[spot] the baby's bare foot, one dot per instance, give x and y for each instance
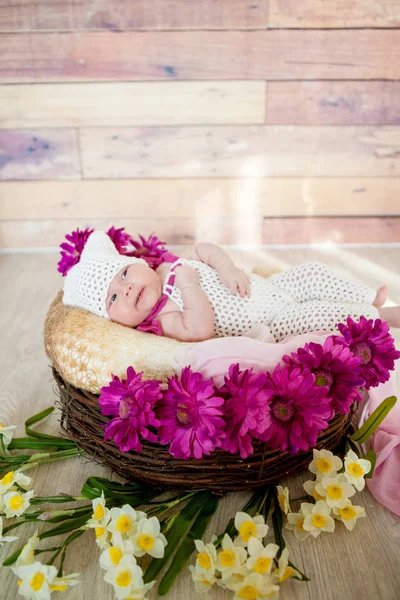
(381, 297)
(391, 314)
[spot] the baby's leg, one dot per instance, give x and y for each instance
(316, 281)
(317, 315)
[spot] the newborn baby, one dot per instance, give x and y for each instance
(203, 294)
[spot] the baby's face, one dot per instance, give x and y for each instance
(132, 294)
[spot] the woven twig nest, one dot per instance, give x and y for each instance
(221, 472)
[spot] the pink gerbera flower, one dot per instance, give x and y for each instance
(370, 341)
(71, 253)
(297, 411)
(190, 415)
(120, 238)
(131, 402)
(151, 250)
(333, 365)
(247, 396)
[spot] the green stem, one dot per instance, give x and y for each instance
(299, 499)
(64, 454)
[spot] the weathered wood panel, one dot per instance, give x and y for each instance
(138, 14)
(39, 154)
(183, 198)
(200, 55)
(332, 230)
(333, 102)
(256, 151)
(132, 103)
(334, 13)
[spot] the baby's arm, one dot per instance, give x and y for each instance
(196, 322)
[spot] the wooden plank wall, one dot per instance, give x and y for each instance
(235, 122)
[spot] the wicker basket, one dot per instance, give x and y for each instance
(220, 472)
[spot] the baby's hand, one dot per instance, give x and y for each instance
(185, 275)
(234, 278)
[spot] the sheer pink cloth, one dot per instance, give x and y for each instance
(213, 357)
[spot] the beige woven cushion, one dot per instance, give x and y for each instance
(86, 349)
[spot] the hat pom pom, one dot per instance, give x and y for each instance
(71, 253)
(151, 250)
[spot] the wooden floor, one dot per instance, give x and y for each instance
(363, 564)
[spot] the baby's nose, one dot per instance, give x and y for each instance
(128, 289)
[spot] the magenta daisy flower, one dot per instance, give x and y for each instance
(297, 411)
(151, 250)
(370, 341)
(71, 253)
(333, 365)
(191, 419)
(121, 239)
(131, 402)
(247, 395)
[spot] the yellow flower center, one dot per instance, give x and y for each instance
(347, 513)
(334, 492)
(145, 541)
(299, 524)
(124, 579)
(58, 588)
(115, 555)
(247, 529)
(288, 572)
(355, 469)
(248, 592)
(8, 478)
(99, 531)
(123, 524)
(2, 425)
(227, 558)
(262, 565)
(317, 496)
(324, 465)
(99, 512)
(37, 581)
(281, 500)
(16, 502)
(204, 560)
(319, 521)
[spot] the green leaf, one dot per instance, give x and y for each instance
(70, 525)
(371, 456)
(133, 493)
(12, 559)
(187, 546)
(33, 443)
(277, 523)
(180, 525)
(374, 420)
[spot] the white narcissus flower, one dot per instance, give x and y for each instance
(202, 581)
(248, 527)
(295, 523)
(283, 499)
(254, 586)
(7, 433)
(317, 518)
(60, 584)
(11, 478)
(283, 571)
(101, 514)
(7, 538)
(103, 537)
(35, 580)
(125, 576)
(206, 558)
(148, 539)
(325, 464)
(113, 554)
(260, 557)
(124, 520)
(231, 559)
(349, 515)
(309, 487)
(16, 503)
(337, 490)
(27, 556)
(355, 469)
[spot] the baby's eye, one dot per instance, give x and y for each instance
(124, 274)
(113, 297)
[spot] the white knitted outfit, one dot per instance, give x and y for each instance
(309, 297)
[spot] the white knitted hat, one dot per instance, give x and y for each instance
(86, 284)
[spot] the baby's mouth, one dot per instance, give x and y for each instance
(139, 296)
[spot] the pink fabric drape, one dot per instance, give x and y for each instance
(213, 357)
